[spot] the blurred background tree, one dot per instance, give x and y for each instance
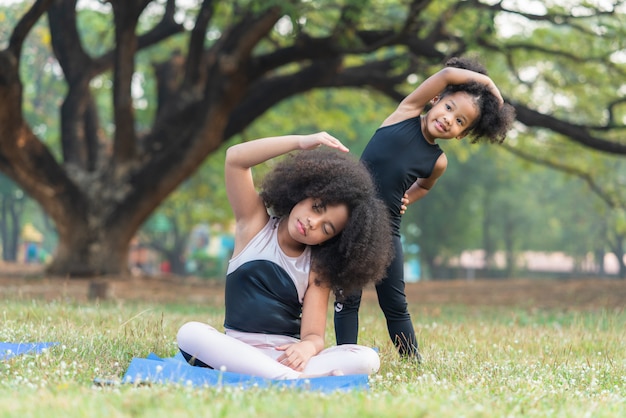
(110, 112)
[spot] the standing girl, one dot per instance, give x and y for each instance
(324, 233)
(406, 162)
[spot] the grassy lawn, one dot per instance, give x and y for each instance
(478, 362)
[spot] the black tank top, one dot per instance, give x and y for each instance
(265, 287)
(396, 156)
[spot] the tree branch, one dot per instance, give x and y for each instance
(585, 176)
(577, 133)
(411, 23)
(196, 43)
(66, 45)
(26, 23)
(234, 58)
(79, 126)
(126, 14)
(348, 20)
(321, 74)
(249, 31)
(162, 30)
(611, 109)
(554, 52)
(310, 49)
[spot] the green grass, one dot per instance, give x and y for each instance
(478, 362)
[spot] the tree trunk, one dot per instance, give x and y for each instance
(619, 247)
(509, 243)
(598, 256)
(88, 253)
(9, 228)
(488, 244)
(616, 243)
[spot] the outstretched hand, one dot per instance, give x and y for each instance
(318, 139)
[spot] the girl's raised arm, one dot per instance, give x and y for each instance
(240, 158)
(416, 101)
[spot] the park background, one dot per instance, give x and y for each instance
(549, 202)
(114, 225)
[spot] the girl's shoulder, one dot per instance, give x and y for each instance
(397, 118)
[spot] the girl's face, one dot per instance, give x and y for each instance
(450, 117)
(311, 223)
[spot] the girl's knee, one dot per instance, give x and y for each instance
(191, 330)
(371, 360)
(367, 360)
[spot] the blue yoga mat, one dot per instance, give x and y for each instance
(8, 350)
(176, 370)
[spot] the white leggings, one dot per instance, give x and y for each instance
(255, 354)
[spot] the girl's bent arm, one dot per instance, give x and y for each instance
(242, 157)
(420, 188)
(249, 209)
(414, 104)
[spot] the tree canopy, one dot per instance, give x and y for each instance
(217, 66)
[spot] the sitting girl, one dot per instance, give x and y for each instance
(327, 231)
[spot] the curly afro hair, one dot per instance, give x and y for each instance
(495, 120)
(361, 252)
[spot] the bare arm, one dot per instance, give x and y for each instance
(312, 330)
(422, 186)
(414, 104)
(248, 207)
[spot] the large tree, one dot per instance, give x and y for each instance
(11, 207)
(240, 58)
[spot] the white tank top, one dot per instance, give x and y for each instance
(264, 246)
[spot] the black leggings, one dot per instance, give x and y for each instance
(392, 301)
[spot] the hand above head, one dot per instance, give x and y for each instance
(495, 91)
(318, 139)
(415, 103)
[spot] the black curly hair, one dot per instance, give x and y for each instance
(494, 120)
(361, 252)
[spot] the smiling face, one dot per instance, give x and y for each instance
(311, 223)
(450, 117)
